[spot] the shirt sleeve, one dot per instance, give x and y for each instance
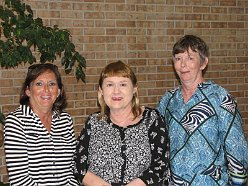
(72, 181)
(162, 104)
(81, 154)
(159, 141)
(235, 143)
(15, 145)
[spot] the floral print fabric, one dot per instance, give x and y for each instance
(118, 155)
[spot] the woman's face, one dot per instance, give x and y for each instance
(189, 67)
(43, 92)
(118, 93)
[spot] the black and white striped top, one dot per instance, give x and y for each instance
(35, 157)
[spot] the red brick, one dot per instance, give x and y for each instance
(142, 34)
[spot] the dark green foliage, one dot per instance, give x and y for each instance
(2, 118)
(4, 184)
(26, 35)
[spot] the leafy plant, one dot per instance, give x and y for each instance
(2, 118)
(1, 141)
(4, 184)
(25, 36)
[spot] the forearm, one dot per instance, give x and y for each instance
(136, 182)
(90, 179)
(159, 166)
(236, 146)
(238, 180)
(81, 155)
(16, 155)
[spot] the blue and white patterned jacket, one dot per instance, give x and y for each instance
(207, 142)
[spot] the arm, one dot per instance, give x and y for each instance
(235, 143)
(161, 106)
(136, 182)
(72, 181)
(91, 179)
(81, 160)
(16, 152)
(159, 141)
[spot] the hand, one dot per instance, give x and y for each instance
(136, 182)
(90, 179)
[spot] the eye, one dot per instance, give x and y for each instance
(177, 58)
(190, 58)
(123, 84)
(38, 84)
(52, 84)
(109, 84)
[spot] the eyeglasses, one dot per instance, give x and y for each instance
(42, 65)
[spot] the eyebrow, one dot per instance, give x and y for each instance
(113, 81)
(44, 81)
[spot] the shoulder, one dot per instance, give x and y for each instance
(64, 114)
(63, 119)
(212, 87)
(165, 99)
(151, 113)
(171, 92)
(17, 119)
(22, 112)
(149, 110)
(215, 91)
(219, 96)
(153, 119)
(168, 95)
(93, 119)
(94, 115)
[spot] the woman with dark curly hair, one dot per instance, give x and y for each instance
(39, 137)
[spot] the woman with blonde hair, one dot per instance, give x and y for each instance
(124, 143)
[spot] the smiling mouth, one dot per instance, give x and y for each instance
(46, 97)
(116, 98)
(184, 72)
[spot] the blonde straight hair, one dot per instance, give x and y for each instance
(118, 69)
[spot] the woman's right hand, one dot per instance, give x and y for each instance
(90, 179)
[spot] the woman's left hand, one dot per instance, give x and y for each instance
(136, 182)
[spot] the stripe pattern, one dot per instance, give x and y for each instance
(229, 103)
(197, 115)
(207, 142)
(213, 171)
(237, 171)
(36, 157)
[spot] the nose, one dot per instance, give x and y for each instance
(184, 62)
(46, 87)
(116, 89)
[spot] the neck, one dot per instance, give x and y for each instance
(45, 117)
(42, 112)
(46, 121)
(188, 90)
(122, 119)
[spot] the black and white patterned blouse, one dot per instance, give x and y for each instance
(118, 155)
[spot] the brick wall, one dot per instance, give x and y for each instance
(141, 33)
